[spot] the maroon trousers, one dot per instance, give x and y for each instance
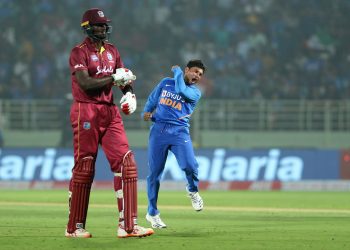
(93, 125)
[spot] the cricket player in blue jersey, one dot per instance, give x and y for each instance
(169, 107)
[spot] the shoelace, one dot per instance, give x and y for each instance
(196, 198)
(157, 220)
(136, 228)
(81, 230)
(139, 229)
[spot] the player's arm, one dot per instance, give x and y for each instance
(78, 62)
(151, 103)
(128, 102)
(87, 82)
(123, 78)
(127, 88)
(190, 94)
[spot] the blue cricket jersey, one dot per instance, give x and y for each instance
(173, 100)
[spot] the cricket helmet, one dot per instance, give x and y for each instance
(92, 17)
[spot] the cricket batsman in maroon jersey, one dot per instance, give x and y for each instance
(96, 67)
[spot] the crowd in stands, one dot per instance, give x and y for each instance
(253, 49)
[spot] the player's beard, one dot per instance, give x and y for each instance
(101, 36)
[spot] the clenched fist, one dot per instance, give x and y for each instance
(128, 103)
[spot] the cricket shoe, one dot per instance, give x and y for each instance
(78, 233)
(155, 221)
(197, 201)
(137, 232)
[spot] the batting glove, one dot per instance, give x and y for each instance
(128, 103)
(123, 77)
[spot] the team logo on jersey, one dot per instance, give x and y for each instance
(109, 56)
(94, 58)
(86, 125)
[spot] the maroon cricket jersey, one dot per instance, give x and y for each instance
(85, 56)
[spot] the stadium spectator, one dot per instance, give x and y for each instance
(307, 39)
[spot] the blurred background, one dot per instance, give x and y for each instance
(278, 74)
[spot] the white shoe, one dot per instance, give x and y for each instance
(155, 221)
(79, 233)
(137, 232)
(197, 201)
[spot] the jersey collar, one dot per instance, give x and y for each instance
(92, 47)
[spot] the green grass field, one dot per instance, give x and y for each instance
(231, 220)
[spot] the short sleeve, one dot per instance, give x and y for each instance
(77, 60)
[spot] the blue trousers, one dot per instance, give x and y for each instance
(164, 137)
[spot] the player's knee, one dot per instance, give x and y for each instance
(129, 159)
(190, 170)
(84, 170)
(191, 167)
(129, 167)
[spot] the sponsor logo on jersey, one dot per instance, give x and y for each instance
(104, 70)
(171, 95)
(170, 102)
(171, 99)
(94, 58)
(78, 66)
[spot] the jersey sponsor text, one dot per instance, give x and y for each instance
(104, 70)
(170, 102)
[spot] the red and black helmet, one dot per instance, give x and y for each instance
(92, 17)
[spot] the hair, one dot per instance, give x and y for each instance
(196, 63)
